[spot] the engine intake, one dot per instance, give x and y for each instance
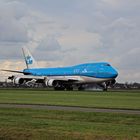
(18, 80)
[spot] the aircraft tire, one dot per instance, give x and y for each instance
(59, 88)
(69, 88)
(104, 89)
(81, 88)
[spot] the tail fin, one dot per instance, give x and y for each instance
(29, 60)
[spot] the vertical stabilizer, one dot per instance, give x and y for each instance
(29, 60)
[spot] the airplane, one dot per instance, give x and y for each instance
(65, 78)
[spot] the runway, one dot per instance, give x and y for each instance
(68, 108)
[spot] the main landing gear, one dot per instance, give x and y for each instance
(63, 87)
(105, 85)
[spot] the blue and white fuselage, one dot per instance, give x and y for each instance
(85, 73)
(65, 77)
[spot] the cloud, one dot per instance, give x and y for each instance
(119, 4)
(80, 39)
(49, 44)
(10, 51)
(70, 32)
(48, 49)
(11, 27)
(12, 31)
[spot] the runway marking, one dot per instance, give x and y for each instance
(68, 108)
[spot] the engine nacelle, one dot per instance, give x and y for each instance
(49, 82)
(18, 80)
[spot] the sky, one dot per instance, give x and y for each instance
(69, 32)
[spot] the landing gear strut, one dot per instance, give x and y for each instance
(104, 86)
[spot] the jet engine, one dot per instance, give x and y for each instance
(18, 80)
(49, 82)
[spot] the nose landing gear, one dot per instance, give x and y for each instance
(105, 85)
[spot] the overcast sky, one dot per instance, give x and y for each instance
(68, 32)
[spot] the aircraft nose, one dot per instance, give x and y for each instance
(114, 73)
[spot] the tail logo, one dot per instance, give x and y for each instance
(29, 60)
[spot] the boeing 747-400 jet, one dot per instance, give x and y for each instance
(65, 78)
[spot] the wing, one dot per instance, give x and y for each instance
(25, 73)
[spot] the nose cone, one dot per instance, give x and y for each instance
(114, 73)
(107, 72)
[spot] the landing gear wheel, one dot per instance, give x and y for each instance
(104, 89)
(81, 88)
(59, 88)
(70, 88)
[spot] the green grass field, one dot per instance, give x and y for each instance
(34, 124)
(124, 100)
(42, 124)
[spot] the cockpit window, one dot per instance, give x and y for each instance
(107, 64)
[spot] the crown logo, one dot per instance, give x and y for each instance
(29, 60)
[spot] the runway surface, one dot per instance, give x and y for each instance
(68, 108)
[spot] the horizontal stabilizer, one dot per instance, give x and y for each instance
(15, 71)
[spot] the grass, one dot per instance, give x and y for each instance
(123, 100)
(36, 124)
